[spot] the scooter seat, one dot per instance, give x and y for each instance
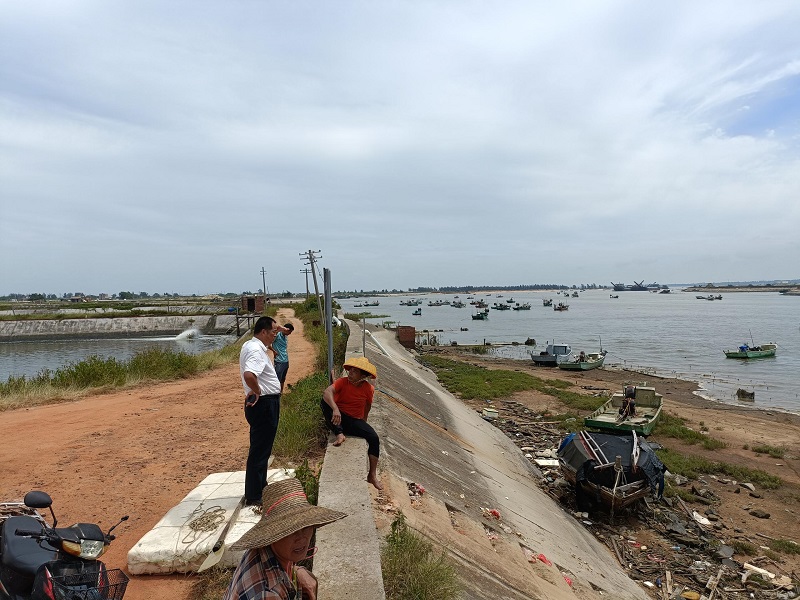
(23, 554)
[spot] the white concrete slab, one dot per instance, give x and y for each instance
(181, 540)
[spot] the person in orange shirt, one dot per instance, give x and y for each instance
(346, 404)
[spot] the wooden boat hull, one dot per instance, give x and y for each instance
(625, 495)
(648, 411)
(763, 351)
(593, 361)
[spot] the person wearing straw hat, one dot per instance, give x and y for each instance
(346, 404)
(280, 539)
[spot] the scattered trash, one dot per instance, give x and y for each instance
(544, 559)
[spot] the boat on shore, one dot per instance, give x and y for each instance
(552, 355)
(616, 470)
(609, 416)
(745, 351)
(587, 362)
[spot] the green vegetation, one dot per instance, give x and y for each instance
(363, 315)
(411, 568)
(301, 426)
(75, 379)
(785, 546)
(671, 426)
(773, 451)
(472, 382)
(693, 466)
(744, 547)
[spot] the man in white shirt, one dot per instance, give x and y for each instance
(262, 390)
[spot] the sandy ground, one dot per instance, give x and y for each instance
(737, 426)
(135, 452)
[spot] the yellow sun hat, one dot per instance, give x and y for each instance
(361, 362)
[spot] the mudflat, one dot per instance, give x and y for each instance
(741, 428)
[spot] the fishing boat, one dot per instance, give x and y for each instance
(547, 301)
(417, 312)
(643, 418)
(584, 362)
(613, 295)
(552, 355)
(523, 306)
(617, 470)
(746, 351)
(481, 315)
(561, 307)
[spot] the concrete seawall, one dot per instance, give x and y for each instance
(116, 327)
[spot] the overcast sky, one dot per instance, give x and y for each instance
(182, 146)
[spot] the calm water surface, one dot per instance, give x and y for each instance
(29, 358)
(672, 334)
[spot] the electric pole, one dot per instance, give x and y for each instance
(312, 258)
(264, 281)
(306, 271)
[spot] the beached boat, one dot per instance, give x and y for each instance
(746, 351)
(648, 410)
(587, 362)
(617, 470)
(552, 355)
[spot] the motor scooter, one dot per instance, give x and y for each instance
(43, 562)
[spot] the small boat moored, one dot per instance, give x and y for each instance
(552, 355)
(642, 418)
(746, 351)
(584, 362)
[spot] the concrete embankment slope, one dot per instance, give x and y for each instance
(467, 465)
(36, 329)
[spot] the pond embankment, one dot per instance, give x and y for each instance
(108, 327)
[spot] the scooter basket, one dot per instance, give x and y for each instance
(109, 584)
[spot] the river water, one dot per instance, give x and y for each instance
(30, 357)
(672, 335)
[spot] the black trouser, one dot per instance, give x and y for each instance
(355, 427)
(263, 420)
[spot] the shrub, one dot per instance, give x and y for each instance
(411, 568)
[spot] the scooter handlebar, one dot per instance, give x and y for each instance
(28, 533)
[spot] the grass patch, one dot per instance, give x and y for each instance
(671, 426)
(773, 451)
(95, 373)
(301, 426)
(744, 547)
(785, 546)
(694, 466)
(412, 570)
(472, 382)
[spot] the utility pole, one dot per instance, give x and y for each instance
(306, 271)
(264, 282)
(312, 258)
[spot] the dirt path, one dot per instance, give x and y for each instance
(135, 452)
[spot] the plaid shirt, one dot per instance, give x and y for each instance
(259, 576)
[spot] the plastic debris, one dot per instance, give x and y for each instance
(544, 559)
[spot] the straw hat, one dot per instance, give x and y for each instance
(285, 510)
(361, 362)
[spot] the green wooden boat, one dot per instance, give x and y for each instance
(590, 361)
(746, 351)
(648, 410)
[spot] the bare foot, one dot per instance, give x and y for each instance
(373, 479)
(339, 440)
